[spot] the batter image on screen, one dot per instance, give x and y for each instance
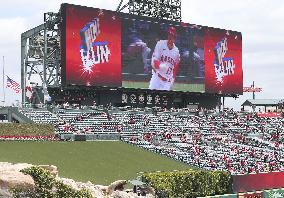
(165, 62)
(162, 56)
(198, 56)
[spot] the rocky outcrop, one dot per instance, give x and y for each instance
(122, 194)
(96, 191)
(11, 177)
(116, 186)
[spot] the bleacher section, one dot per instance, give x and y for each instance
(238, 142)
(39, 115)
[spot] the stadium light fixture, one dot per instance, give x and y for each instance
(161, 9)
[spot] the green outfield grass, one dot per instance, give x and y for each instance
(98, 162)
(177, 86)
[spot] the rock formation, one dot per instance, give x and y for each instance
(11, 177)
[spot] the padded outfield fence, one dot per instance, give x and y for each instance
(275, 193)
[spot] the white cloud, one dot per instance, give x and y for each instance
(10, 42)
(260, 23)
(12, 31)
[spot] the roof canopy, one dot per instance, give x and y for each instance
(262, 102)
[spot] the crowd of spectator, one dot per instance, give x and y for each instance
(238, 142)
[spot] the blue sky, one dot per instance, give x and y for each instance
(261, 24)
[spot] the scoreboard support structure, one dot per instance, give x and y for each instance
(41, 55)
(41, 50)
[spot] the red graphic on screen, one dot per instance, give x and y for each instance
(93, 47)
(223, 61)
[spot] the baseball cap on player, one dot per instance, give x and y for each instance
(172, 31)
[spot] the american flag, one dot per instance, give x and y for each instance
(13, 85)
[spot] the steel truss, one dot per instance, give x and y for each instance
(40, 55)
(40, 46)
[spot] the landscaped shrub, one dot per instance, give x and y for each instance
(25, 129)
(190, 183)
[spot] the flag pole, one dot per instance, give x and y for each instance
(4, 97)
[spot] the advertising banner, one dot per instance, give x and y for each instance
(269, 114)
(250, 182)
(251, 195)
(222, 196)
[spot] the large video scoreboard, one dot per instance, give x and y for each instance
(107, 48)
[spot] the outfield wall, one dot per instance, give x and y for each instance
(274, 193)
(260, 181)
(90, 137)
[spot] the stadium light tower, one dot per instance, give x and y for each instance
(161, 9)
(120, 7)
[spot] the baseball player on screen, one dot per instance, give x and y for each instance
(165, 61)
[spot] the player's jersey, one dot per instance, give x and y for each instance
(168, 59)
